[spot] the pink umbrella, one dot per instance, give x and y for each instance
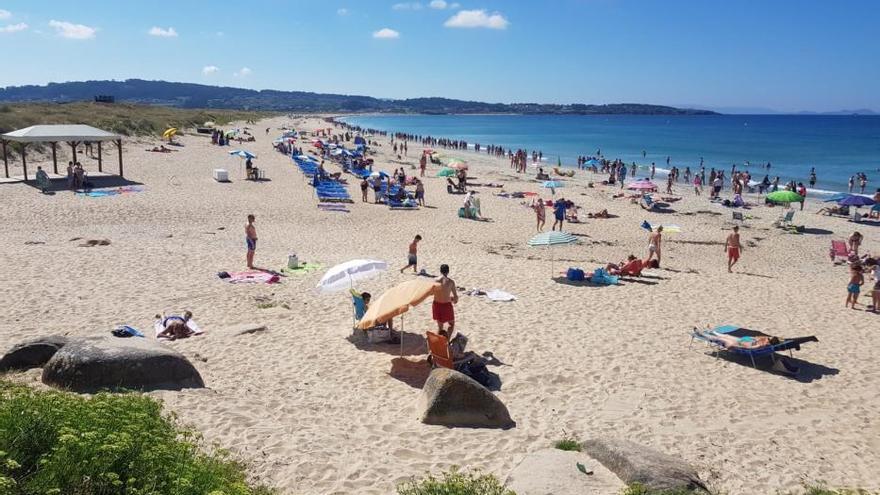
(642, 185)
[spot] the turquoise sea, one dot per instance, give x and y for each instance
(837, 146)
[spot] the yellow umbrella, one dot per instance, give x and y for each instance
(396, 301)
(169, 133)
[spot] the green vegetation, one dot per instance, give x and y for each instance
(568, 443)
(121, 118)
(52, 443)
(823, 490)
(455, 482)
(639, 489)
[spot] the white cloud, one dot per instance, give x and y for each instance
(243, 72)
(386, 34)
(477, 19)
(209, 70)
(438, 4)
(162, 33)
(13, 28)
(72, 31)
(5, 14)
(342, 11)
(407, 6)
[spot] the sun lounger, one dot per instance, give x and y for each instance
(648, 203)
(744, 342)
(440, 353)
(784, 220)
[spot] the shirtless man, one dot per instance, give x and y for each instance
(654, 242)
(412, 256)
(250, 239)
(445, 296)
(733, 248)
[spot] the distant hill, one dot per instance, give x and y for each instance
(187, 95)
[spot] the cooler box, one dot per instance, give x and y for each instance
(221, 175)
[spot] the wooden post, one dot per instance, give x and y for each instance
(119, 144)
(99, 157)
(5, 160)
(24, 160)
(73, 147)
(54, 158)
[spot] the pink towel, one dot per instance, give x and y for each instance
(252, 277)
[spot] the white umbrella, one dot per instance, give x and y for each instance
(343, 276)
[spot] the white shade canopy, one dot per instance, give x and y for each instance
(61, 132)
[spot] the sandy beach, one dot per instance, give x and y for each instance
(309, 412)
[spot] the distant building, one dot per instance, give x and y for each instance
(105, 99)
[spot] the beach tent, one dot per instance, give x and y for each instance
(72, 134)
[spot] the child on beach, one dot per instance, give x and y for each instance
(733, 248)
(875, 293)
(540, 213)
(412, 257)
(856, 280)
(250, 239)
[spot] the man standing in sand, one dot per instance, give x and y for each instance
(559, 214)
(412, 258)
(733, 246)
(423, 163)
(445, 296)
(250, 240)
(654, 243)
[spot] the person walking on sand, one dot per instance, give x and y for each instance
(655, 241)
(540, 213)
(445, 296)
(875, 292)
(856, 280)
(250, 239)
(423, 164)
(733, 246)
(559, 213)
(698, 184)
(412, 257)
(653, 170)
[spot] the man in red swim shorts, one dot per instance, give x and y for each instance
(733, 247)
(445, 296)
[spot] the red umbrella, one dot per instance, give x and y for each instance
(642, 185)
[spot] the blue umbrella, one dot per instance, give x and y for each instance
(592, 161)
(242, 154)
(856, 201)
(553, 184)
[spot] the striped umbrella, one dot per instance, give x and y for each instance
(552, 238)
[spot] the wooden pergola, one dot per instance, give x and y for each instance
(72, 134)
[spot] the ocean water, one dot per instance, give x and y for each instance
(837, 146)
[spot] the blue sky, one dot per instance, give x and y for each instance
(786, 55)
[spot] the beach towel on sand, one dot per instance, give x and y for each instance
(302, 269)
(251, 277)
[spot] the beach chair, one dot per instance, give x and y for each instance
(744, 342)
(648, 203)
(784, 220)
(839, 250)
(438, 347)
(737, 216)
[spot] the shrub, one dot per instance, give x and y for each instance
(639, 489)
(569, 444)
(56, 442)
(454, 482)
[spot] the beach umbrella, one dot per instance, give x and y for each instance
(642, 185)
(553, 185)
(395, 302)
(243, 154)
(592, 162)
(169, 133)
(344, 275)
(857, 201)
(552, 238)
(785, 197)
(446, 172)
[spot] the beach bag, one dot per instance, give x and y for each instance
(575, 275)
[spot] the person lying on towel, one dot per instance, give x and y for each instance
(176, 327)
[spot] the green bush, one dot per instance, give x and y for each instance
(569, 444)
(639, 489)
(57, 443)
(455, 482)
(823, 490)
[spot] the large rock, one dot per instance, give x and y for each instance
(634, 463)
(98, 363)
(450, 398)
(555, 472)
(33, 353)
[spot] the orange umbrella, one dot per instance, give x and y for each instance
(396, 301)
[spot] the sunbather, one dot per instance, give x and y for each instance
(631, 267)
(601, 214)
(176, 327)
